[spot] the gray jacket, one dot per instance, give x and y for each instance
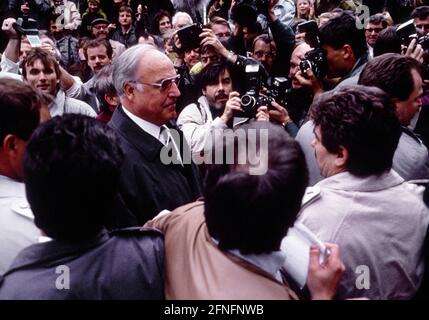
(380, 224)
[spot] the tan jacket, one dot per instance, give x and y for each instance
(196, 269)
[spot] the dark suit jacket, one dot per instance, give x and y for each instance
(125, 264)
(148, 186)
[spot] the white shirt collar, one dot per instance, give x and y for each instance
(269, 262)
(147, 126)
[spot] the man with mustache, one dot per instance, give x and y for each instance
(215, 109)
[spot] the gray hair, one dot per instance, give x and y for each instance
(126, 66)
(180, 14)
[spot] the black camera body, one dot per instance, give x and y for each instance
(26, 26)
(316, 61)
(189, 36)
(251, 100)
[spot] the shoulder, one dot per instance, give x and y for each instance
(77, 106)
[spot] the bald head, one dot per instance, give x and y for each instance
(296, 57)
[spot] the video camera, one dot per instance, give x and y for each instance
(28, 28)
(251, 100)
(189, 36)
(314, 59)
(407, 32)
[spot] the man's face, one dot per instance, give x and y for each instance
(100, 31)
(41, 77)
(192, 57)
(217, 94)
(24, 49)
(422, 25)
(296, 58)
(337, 66)
(407, 109)
(153, 104)
(209, 56)
(164, 24)
(125, 19)
(93, 6)
(222, 32)
(265, 53)
(97, 58)
(324, 158)
(372, 31)
(181, 22)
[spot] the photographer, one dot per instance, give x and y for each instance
(216, 109)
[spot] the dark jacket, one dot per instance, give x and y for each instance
(147, 186)
(126, 264)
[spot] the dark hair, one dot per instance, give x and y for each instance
(71, 167)
(19, 108)
(209, 75)
(377, 19)
(126, 9)
(341, 30)
(391, 72)
(158, 16)
(218, 20)
(265, 38)
(94, 43)
(252, 213)
(363, 121)
(104, 86)
(421, 12)
(387, 42)
(44, 56)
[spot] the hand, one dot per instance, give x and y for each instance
(310, 81)
(279, 114)
(8, 29)
(232, 105)
(48, 47)
(300, 36)
(415, 51)
(210, 39)
(111, 27)
(323, 280)
(176, 40)
(262, 114)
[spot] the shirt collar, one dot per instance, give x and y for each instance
(147, 126)
(269, 262)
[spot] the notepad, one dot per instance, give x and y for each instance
(296, 246)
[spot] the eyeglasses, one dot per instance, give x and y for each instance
(376, 30)
(422, 26)
(163, 85)
(99, 27)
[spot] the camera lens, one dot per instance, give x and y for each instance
(247, 101)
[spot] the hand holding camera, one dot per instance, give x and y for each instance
(233, 105)
(8, 29)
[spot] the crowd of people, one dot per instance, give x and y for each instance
(116, 161)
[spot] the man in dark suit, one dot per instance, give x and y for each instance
(152, 179)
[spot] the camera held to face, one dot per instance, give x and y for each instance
(251, 100)
(316, 61)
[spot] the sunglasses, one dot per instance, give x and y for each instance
(165, 84)
(376, 30)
